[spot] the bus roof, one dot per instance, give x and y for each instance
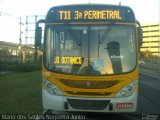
(90, 13)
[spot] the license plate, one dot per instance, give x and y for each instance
(124, 105)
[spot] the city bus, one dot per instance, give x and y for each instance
(90, 58)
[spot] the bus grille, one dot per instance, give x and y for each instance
(89, 84)
(89, 93)
(88, 104)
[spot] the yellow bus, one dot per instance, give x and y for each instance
(90, 58)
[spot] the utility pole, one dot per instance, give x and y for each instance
(20, 39)
(35, 54)
(30, 29)
(20, 23)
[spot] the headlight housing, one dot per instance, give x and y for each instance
(127, 90)
(51, 88)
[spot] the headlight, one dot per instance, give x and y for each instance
(126, 91)
(51, 88)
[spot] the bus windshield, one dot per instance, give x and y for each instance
(92, 50)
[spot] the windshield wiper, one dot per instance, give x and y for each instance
(106, 33)
(75, 38)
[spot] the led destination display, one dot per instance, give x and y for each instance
(90, 14)
(93, 13)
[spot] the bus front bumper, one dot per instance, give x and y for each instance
(65, 103)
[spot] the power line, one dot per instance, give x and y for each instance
(19, 21)
(10, 15)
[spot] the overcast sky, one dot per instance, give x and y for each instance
(146, 11)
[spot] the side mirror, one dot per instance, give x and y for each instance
(38, 36)
(38, 33)
(140, 36)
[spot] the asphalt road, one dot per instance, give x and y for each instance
(149, 95)
(148, 104)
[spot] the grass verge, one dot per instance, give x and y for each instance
(20, 93)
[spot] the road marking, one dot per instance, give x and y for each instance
(150, 75)
(150, 84)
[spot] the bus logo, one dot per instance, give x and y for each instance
(88, 84)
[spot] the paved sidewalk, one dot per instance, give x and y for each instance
(150, 72)
(5, 72)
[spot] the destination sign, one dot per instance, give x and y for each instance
(90, 15)
(68, 60)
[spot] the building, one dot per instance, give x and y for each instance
(151, 38)
(12, 52)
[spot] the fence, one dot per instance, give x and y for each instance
(10, 57)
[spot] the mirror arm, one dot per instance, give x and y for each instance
(37, 39)
(140, 34)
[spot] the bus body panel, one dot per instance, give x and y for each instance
(56, 103)
(64, 15)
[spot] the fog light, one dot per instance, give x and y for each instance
(66, 105)
(110, 106)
